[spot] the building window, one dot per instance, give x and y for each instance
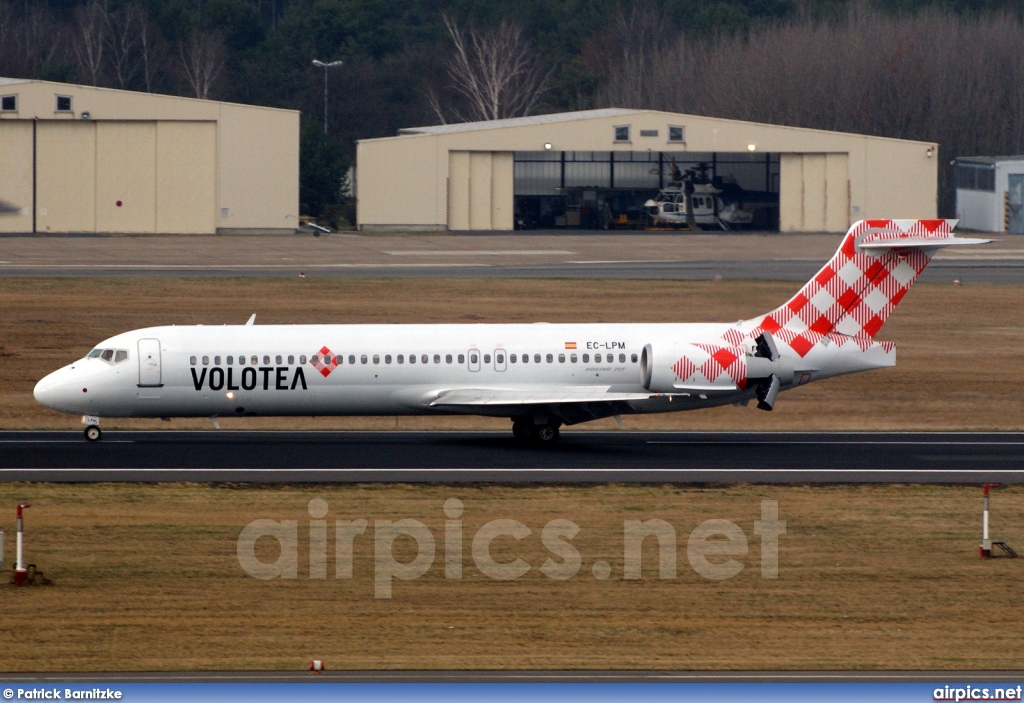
(9, 103)
(648, 133)
(971, 177)
(676, 133)
(622, 133)
(63, 103)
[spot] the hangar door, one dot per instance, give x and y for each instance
(480, 185)
(145, 177)
(16, 175)
(814, 193)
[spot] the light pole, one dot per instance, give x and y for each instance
(325, 66)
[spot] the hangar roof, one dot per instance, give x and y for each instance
(520, 121)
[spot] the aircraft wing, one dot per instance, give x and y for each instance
(539, 396)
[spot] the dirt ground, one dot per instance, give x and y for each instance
(871, 577)
(958, 359)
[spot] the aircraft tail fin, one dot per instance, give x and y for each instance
(855, 292)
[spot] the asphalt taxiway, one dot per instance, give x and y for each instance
(495, 457)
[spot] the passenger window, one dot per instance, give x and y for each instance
(597, 358)
(462, 358)
(512, 358)
(412, 358)
(314, 359)
(526, 358)
(362, 359)
(561, 358)
(254, 361)
(437, 358)
(633, 358)
(473, 358)
(448, 358)
(586, 358)
(500, 358)
(387, 358)
(622, 358)
(107, 354)
(216, 360)
(302, 359)
(278, 360)
(192, 360)
(351, 359)
(376, 358)
(231, 360)
(206, 361)
(291, 360)
(266, 360)
(327, 358)
(423, 358)
(94, 353)
(572, 358)
(401, 358)
(487, 358)
(550, 358)
(536, 358)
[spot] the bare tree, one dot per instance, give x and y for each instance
(128, 41)
(495, 71)
(93, 27)
(202, 58)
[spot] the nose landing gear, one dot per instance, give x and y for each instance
(92, 428)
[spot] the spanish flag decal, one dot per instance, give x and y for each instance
(570, 345)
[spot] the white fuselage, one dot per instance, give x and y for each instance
(597, 369)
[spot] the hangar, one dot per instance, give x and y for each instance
(553, 170)
(83, 159)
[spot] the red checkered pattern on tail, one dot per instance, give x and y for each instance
(855, 292)
(324, 367)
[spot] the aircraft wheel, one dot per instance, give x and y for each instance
(546, 434)
(92, 433)
(522, 430)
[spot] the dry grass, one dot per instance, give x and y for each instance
(883, 577)
(958, 361)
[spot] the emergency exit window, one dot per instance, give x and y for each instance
(9, 103)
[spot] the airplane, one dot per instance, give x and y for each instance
(542, 376)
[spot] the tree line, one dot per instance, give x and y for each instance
(947, 71)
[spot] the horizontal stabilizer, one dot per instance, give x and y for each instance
(896, 242)
(538, 396)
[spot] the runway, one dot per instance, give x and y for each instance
(494, 457)
(940, 271)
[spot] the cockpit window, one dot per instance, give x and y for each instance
(94, 353)
(120, 355)
(111, 356)
(107, 354)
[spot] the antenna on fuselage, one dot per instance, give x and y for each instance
(252, 319)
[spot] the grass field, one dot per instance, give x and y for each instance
(146, 578)
(958, 359)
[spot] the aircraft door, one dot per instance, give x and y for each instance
(1016, 203)
(149, 363)
(474, 359)
(499, 359)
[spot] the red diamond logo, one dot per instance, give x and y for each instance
(324, 361)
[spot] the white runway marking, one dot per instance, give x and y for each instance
(482, 252)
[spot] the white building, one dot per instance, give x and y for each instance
(990, 193)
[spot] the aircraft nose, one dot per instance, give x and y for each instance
(50, 391)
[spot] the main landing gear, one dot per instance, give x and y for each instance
(529, 432)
